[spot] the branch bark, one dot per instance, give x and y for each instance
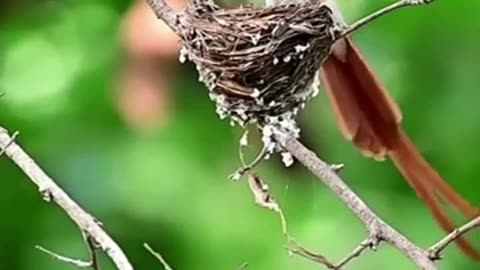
(164, 12)
(377, 228)
(435, 250)
(52, 192)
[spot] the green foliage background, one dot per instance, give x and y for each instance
(169, 188)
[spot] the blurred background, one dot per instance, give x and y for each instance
(102, 103)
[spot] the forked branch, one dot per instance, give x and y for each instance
(377, 228)
(52, 192)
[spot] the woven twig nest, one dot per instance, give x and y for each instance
(258, 62)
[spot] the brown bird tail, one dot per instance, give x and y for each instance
(430, 186)
(369, 117)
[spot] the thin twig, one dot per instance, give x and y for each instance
(371, 242)
(301, 251)
(245, 168)
(75, 262)
(158, 257)
(51, 191)
(379, 13)
(435, 250)
(264, 199)
(242, 266)
(260, 156)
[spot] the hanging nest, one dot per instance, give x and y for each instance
(258, 62)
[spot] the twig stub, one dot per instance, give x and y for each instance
(434, 252)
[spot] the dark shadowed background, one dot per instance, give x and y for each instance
(101, 102)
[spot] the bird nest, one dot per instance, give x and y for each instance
(258, 63)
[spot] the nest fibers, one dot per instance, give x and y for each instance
(259, 63)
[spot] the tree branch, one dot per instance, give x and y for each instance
(380, 13)
(435, 250)
(164, 12)
(52, 192)
(367, 243)
(376, 227)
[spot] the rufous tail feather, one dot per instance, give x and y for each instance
(369, 117)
